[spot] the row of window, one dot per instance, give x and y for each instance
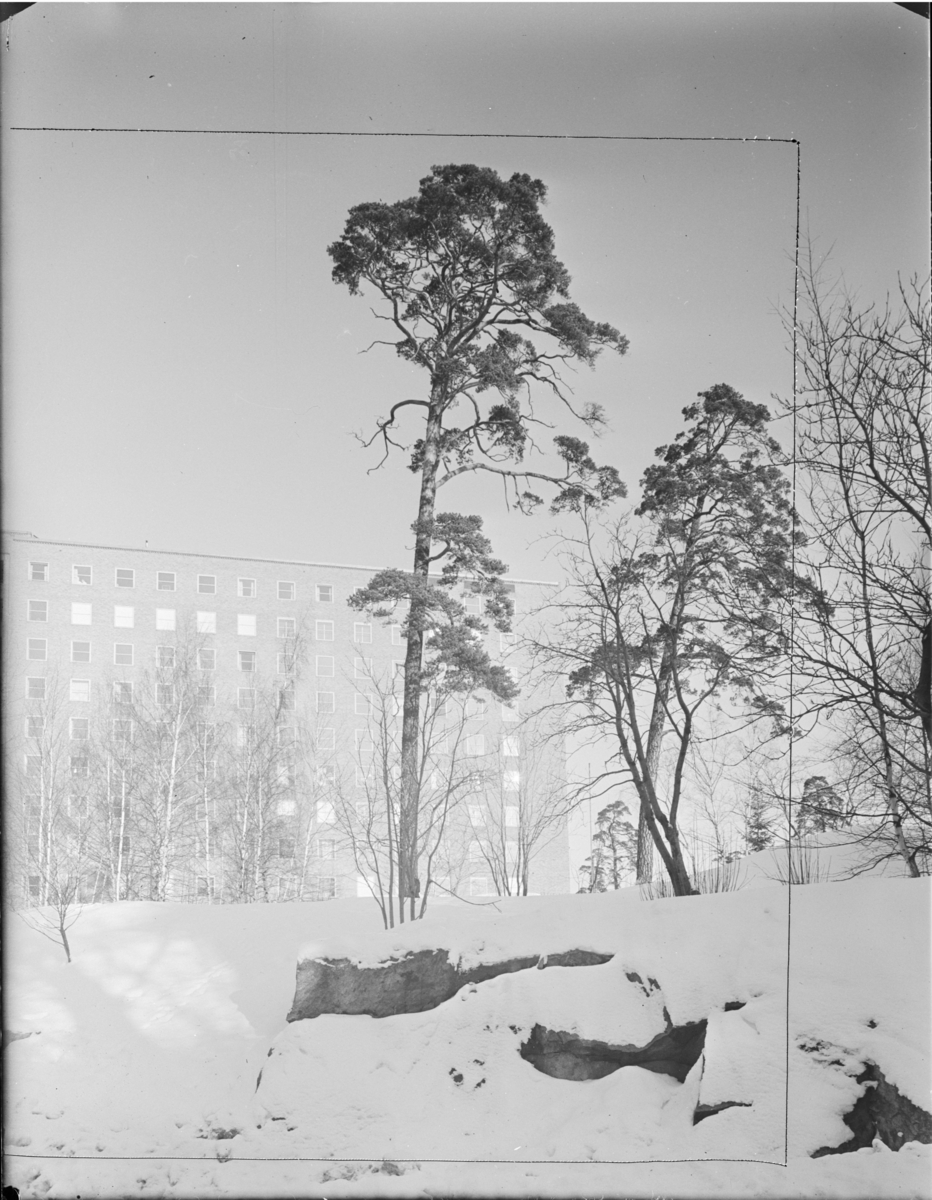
(246, 698)
(124, 655)
(363, 702)
(167, 581)
(124, 617)
(286, 805)
(324, 887)
(206, 659)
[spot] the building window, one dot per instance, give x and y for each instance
(37, 649)
(286, 663)
(286, 847)
(38, 610)
(39, 572)
(122, 692)
(285, 589)
(362, 668)
(286, 696)
(246, 624)
(325, 702)
(397, 639)
(510, 712)
(475, 744)
(477, 706)
(205, 732)
(165, 657)
(246, 588)
(206, 622)
(123, 617)
(287, 627)
(205, 887)
(122, 654)
(35, 726)
(364, 774)
(362, 704)
(165, 620)
(362, 632)
(512, 780)
(326, 774)
(245, 697)
(125, 578)
(286, 735)
(35, 687)
(80, 614)
(285, 807)
(324, 593)
(80, 729)
(206, 659)
(511, 747)
(79, 691)
(326, 848)
(206, 694)
(79, 766)
(507, 641)
(207, 585)
(247, 660)
(164, 694)
(81, 652)
(363, 741)
(82, 575)
(326, 887)
(122, 729)
(204, 770)
(324, 664)
(323, 630)
(511, 816)
(325, 738)
(165, 581)
(476, 816)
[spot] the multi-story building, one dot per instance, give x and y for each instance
(201, 726)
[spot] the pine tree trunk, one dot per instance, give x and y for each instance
(408, 883)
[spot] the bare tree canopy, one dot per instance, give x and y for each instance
(866, 485)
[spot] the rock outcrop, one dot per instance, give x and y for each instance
(566, 1056)
(881, 1111)
(414, 983)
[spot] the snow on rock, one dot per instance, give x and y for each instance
(151, 1043)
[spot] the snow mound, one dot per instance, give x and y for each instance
(166, 1040)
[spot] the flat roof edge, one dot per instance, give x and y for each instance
(31, 540)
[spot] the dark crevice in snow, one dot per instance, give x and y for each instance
(419, 981)
(567, 1056)
(709, 1110)
(734, 1005)
(881, 1111)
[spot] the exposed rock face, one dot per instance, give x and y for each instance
(702, 1111)
(566, 1056)
(881, 1111)
(419, 981)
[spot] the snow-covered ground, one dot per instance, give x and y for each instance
(139, 1074)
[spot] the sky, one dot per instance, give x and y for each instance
(179, 369)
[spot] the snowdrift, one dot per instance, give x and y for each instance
(167, 1042)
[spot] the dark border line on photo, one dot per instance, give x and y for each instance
(546, 137)
(518, 1162)
(561, 137)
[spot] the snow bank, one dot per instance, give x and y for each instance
(151, 1045)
